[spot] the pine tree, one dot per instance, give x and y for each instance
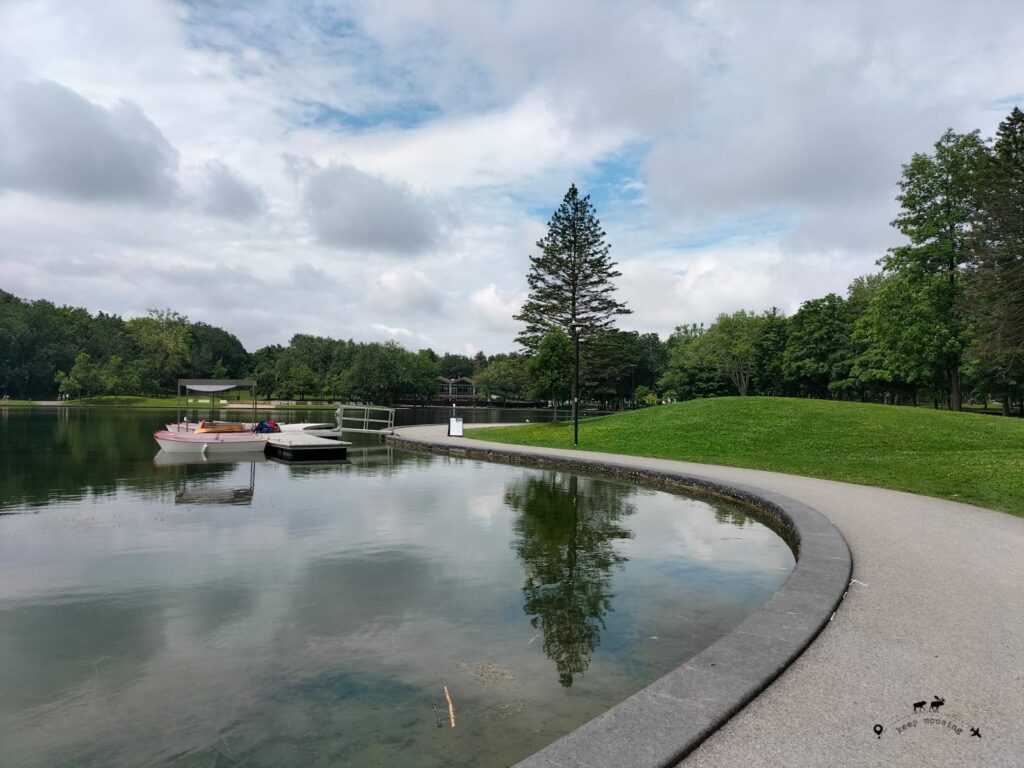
(571, 280)
(571, 284)
(998, 251)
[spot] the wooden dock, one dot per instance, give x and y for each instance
(296, 446)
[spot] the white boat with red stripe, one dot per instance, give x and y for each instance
(205, 443)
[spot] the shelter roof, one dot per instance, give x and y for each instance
(215, 385)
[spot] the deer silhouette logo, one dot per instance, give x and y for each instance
(939, 701)
(919, 706)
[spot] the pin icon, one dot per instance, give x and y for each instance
(878, 730)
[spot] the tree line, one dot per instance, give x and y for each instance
(944, 317)
(942, 320)
(47, 349)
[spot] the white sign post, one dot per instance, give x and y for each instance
(455, 427)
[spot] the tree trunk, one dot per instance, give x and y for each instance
(1006, 404)
(954, 388)
(741, 380)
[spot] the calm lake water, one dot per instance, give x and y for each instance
(265, 614)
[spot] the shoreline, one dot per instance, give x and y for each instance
(933, 609)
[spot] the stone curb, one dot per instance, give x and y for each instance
(659, 725)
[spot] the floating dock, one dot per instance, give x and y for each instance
(296, 446)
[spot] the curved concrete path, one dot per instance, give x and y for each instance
(936, 609)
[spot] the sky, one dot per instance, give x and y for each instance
(383, 170)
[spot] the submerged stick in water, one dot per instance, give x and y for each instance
(451, 707)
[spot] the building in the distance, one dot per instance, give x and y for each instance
(461, 388)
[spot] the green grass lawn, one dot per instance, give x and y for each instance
(961, 456)
(134, 401)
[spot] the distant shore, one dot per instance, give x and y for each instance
(165, 403)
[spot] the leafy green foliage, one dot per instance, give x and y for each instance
(939, 195)
(684, 378)
(381, 373)
(768, 376)
(614, 362)
(730, 347)
(505, 378)
(550, 367)
(818, 350)
(456, 366)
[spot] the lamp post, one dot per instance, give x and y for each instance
(576, 387)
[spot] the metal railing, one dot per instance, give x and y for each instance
(364, 418)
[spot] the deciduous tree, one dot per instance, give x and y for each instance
(939, 196)
(550, 367)
(819, 345)
(729, 347)
(504, 377)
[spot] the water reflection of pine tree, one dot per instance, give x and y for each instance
(564, 536)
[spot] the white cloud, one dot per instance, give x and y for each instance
(698, 288)
(357, 211)
(397, 333)
(494, 309)
(406, 290)
(54, 142)
(383, 170)
(527, 141)
(226, 194)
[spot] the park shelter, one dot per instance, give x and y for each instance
(214, 387)
(461, 388)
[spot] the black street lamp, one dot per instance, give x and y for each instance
(576, 388)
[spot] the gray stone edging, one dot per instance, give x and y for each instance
(665, 721)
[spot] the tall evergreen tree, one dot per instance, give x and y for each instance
(571, 279)
(571, 282)
(997, 289)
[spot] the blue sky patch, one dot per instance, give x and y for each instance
(410, 115)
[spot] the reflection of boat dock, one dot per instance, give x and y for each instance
(194, 487)
(298, 446)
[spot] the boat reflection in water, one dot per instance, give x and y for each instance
(193, 486)
(200, 478)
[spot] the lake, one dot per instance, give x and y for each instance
(260, 613)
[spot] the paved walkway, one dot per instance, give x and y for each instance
(936, 610)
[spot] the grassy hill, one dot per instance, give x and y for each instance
(960, 456)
